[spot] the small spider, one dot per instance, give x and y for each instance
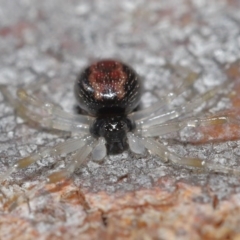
(108, 92)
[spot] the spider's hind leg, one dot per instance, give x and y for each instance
(189, 78)
(45, 114)
(166, 101)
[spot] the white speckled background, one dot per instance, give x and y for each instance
(57, 39)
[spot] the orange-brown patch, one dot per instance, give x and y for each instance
(229, 131)
(108, 78)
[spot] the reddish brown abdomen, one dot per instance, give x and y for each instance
(108, 87)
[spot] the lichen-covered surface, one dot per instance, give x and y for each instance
(126, 196)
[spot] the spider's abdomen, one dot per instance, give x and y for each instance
(108, 87)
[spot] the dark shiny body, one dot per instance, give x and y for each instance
(108, 87)
(114, 130)
(109, 90)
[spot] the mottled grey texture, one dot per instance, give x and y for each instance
(58, 38)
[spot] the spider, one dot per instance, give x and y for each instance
(108, 93)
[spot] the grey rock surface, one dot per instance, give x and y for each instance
(56, 39)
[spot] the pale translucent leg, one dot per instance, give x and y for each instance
(135, 143)
(99, 151)
(159, 118)
(61, 148)
(77, 160)
(189, 78)
(47, 115)
(159, 149)
(177, 125)
(187, 82)
(168, 98)
(8, 96)
(31, 87)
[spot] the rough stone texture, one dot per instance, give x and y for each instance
(126, 196)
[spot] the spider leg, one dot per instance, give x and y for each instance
(61, 148)
(165, 155)
(167, 99)
(177, 125)
(33, 87)
(8, 96)
(86, 145)
(135, 143)
(47, 115)
(99, 151)
(78, 159)
(159, 118)
(189, 78)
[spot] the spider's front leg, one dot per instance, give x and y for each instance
(82, 146)
(61, 148)
(147, 132)
(165, 155)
